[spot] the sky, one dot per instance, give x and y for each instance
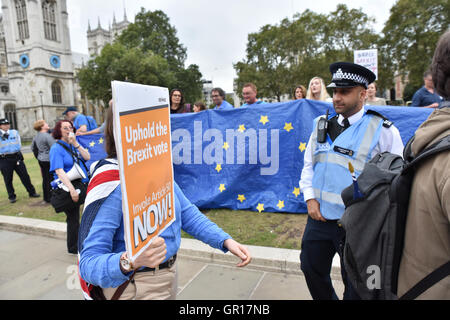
(214, 32)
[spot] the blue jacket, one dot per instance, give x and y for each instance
(330, 162)
(12, 144)
(102, 248)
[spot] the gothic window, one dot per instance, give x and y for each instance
(56, 92)
(22, 20)
(49, 14)
(10, 114)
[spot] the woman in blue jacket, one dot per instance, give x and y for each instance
(61, 161)
(103, 260)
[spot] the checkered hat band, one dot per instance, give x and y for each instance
(339, 75)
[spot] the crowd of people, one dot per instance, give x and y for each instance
(424, 97)
(103, 259)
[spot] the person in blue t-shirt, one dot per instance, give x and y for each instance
(61, 161)
(80, 121)
(426, 97)
(218, 98)
(249, 93)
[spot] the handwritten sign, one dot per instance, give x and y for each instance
(367, 58)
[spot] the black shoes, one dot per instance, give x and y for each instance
(34, 195)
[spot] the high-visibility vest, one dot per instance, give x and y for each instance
(330, 162)
(11, 144)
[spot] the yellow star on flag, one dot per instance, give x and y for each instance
(241, 197)
(280, 204)
(288, 126)
(222, 187)
(296, 192)
(218, 167)
(264, 119)
(260, 207)
(100, 140)
(225, 145)
(91, 144)
(241, 128)
(302, 146)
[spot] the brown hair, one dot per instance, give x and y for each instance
(110, 145)
(440, 66)
(38, 125)
(302, 89)
(200, 104)
(56, 133)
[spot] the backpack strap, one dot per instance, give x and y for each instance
(441, 145)
(75, 157)
(427, 282)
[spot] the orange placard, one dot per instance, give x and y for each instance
(145, 161)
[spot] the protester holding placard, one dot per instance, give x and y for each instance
(103, 258)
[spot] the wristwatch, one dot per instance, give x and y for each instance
(126, 263)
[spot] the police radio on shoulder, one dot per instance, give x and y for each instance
(322, 127)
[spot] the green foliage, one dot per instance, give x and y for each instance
(152, 32)
(147, 52)
(280, 57)
(283, 56)
(409, 38)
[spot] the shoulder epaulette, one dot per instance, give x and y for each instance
(386, 122)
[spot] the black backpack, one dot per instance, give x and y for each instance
(375, 225)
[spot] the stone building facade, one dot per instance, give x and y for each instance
(37, 68)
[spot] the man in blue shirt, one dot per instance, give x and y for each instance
(426, 96)
(218, 97)
(11, 159)
(80, 121)
(249, 92)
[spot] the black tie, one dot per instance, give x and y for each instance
(346, 123)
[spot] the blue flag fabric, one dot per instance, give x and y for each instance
(95, 143)
(252, 158)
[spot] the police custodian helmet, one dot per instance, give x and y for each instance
(348, 75)
(4, 121)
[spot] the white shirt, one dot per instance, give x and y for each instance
(390, 141)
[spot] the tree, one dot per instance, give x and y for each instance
(147, 52)
(282, 56)
(118, 63)
(189, 80)
(152, 31)
(410, 36)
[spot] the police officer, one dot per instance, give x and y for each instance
(354, 135)
(11, 160)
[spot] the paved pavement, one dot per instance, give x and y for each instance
(35, 265)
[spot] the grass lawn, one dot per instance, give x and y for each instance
(281, 230)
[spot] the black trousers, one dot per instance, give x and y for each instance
(73, 225)
(321, 241)
(8, 166)
(46, 179)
